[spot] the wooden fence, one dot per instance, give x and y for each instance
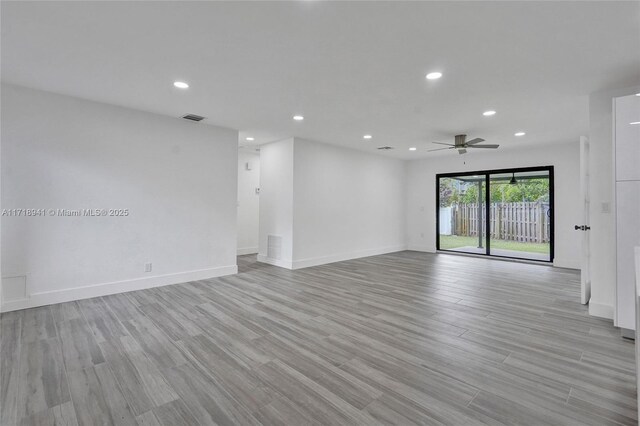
(526, 222)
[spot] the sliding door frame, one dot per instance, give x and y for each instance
(487, 196)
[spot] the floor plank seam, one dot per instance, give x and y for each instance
(474, 397)
(566, 401)
(20, 381)
(64, 364)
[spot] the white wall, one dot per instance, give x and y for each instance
(178, 179)
(421, 199)
(601, 182)
(276, 201)
(329, 203)
(248, 201)
(347, 204)
(627, 172)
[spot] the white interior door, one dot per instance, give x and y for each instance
(585, 276)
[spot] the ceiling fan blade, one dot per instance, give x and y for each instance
(439, 149)
(474, 141)
(441, 143)
(484, 146)
(462, 151)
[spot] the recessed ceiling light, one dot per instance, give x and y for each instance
(249, 138)
(637, 94)
(367, 137)
(489, 113)
(634, 122)
(298, 117)
(413, 148)
(519, 134)
(181, 84)
(434, 75)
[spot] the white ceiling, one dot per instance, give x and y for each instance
(350, 68)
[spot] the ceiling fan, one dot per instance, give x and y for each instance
(461, 145)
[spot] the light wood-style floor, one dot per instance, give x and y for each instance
(405, 338)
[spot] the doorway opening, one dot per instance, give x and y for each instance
(504, 213)
(248, 200)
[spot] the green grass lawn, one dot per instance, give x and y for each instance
(452, 241)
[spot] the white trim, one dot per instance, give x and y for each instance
(315, 261)
(96, 290)
(247, 250)
(275, 262)
(425, 249)
(567, 263)
(600, 310)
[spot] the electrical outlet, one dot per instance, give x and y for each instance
(147, 267)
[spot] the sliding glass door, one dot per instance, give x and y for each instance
(462, 213)
(505, 213)
(521, 215)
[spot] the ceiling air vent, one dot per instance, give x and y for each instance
(385, 147)
(193, 117)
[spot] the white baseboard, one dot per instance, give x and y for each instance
(104, 289)
(247, 250)
(426, 249)
(566, 263)
(275, 262)
(323, 260)
(600, 310)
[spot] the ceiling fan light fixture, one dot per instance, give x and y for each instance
(462, 144)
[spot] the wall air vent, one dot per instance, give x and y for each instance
(193, 117)
(385, 147)
(14, 288)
